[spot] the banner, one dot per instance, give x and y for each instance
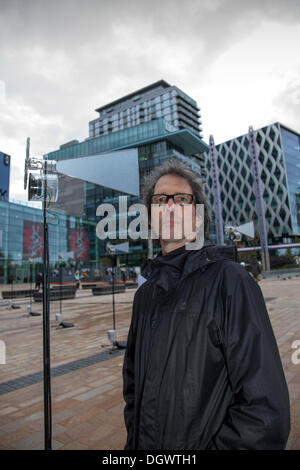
(33, 240)
(79, 243)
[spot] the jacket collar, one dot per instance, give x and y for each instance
(168, 270)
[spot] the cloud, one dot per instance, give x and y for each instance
(287, 103)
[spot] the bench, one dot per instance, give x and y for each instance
(87, 286)
(131, 285)
(57, 293)
(92, 284)
(108, 289)
(15, 294)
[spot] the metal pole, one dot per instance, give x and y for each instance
(46, 327)
(271, 247)
(216, 188)
(150, 246)
(113, 293)
(60, 288)
(259, 201)
(30, 285)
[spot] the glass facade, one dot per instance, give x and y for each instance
(159, 100)
(4, 176)
(21, 241)
(149, 156)
(291, 149)
(113, 141)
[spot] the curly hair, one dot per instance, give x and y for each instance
(174, 166)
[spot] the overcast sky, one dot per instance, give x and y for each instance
(60, 60)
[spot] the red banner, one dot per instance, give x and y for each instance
(33, 239)
(79, 243)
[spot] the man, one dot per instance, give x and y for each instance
(38, 281)
(255, 268)
(202, 368)
(77, 278)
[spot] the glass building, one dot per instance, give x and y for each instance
(156, 142)
(22, 239)
(291, 150)
(279, 159)
(158, 100)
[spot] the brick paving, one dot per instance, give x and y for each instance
(87, 400)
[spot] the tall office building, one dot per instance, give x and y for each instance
(4, 176)
(160, 121)
(158, 100)
(279, 159)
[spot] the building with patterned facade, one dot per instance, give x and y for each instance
(279, 159)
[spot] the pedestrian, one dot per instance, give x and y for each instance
(255, 269)
(77, 279)
(201, 368)
(38, 281)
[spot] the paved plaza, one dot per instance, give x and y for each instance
(87, 399)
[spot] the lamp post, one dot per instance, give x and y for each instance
(216, 188)
(46, 326)
(60, 257)
(262, 228)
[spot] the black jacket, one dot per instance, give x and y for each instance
(202, 368)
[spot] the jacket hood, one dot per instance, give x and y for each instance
(167, 270)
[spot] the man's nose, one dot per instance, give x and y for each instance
(170, 202)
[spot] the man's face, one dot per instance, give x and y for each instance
(173, 221)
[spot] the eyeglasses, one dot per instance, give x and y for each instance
(178, 198)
